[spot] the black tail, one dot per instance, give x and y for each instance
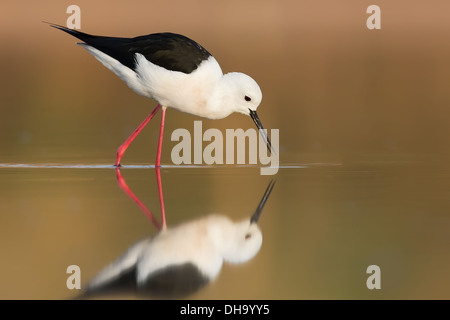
(98, 42)
(117, 48)
(77, 34)
(168, 50)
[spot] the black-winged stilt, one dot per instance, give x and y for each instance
(178, 73)
(180, 260)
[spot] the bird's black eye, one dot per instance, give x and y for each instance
(247, 98)
(248, 236)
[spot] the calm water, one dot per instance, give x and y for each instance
(364, 124)
(323, 225)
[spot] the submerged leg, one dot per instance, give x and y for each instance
(158, 168)
(161, 199)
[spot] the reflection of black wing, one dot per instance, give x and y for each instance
(174, 281)
(120, 275)
(168, 50)
(124, 284)
(171, 282)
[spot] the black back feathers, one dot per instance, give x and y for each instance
(168, 50)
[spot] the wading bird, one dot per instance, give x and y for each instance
(178, 73)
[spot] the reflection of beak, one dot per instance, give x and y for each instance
(259, 125)
(256, 215)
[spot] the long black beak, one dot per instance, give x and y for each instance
(257, 214)
(260, 127)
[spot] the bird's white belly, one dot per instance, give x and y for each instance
(186, 244)
(184, 92)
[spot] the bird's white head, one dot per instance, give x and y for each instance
(239, 242)
(234, 92)
(245, 93)
(237, 92)
(247, 241)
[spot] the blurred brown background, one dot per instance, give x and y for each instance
(329, 83)
(333, 88)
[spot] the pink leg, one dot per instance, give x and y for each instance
(124, 146)
(161, 134)
(158, 168)
(161, 200)
(122, 184)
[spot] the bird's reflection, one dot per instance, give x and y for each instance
(182, 259)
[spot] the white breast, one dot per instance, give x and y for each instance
(184, 92)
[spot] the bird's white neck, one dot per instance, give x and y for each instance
(221, 100)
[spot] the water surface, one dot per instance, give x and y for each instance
(323, 225)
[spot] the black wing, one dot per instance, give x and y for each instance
(173, 282)
(168, 50)
(124, 284)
